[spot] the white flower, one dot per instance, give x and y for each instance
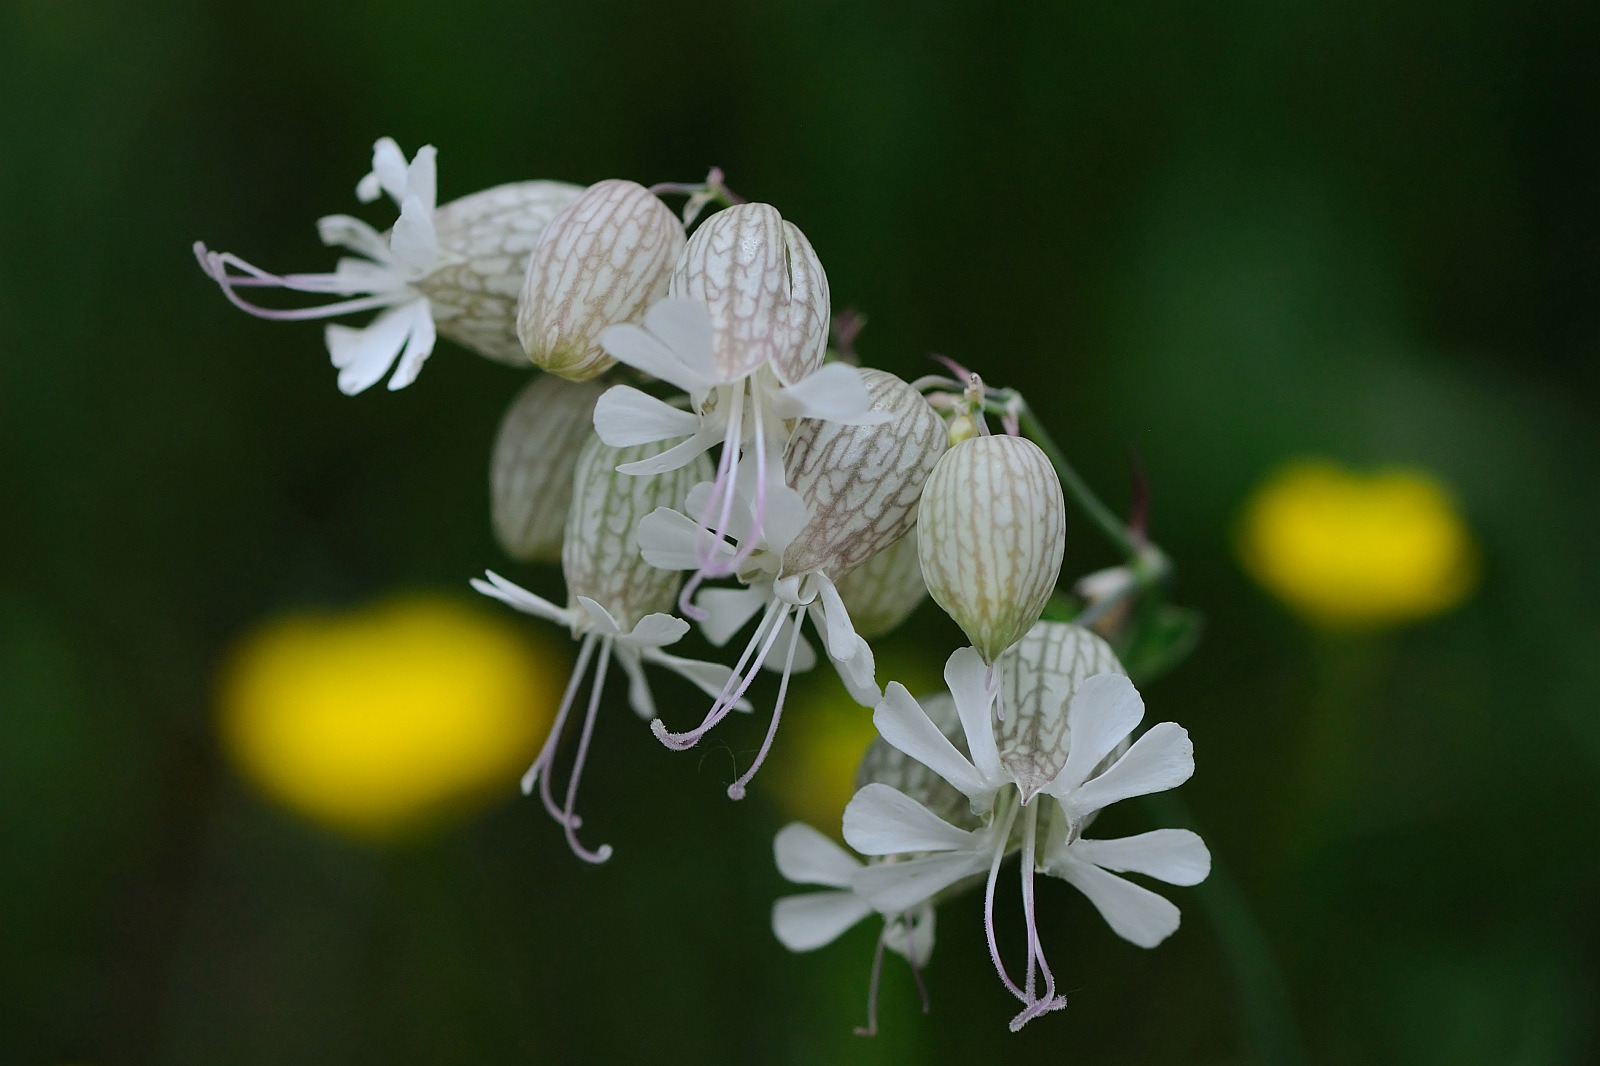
(743, 333)
(453, 271)
(616, 608)
(854, 492)
(810, 920)
(1072, 759)
(530, 470)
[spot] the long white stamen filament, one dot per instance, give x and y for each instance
(758, 515)
(736, 790)
(744, 673)
(1001, 839)
(1048, 1002)
(724, 491)
(871, 1028)
(215, 265)
(540, 770)
(570, 821)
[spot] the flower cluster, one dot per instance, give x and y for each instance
(695, 454)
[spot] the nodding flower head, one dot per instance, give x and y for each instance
(993, 529)
(854, 492)
(765, 289)
(530, 473)
(453, 271)
(1074, 727)
(616, 608)
(604, 259)
(883, 591)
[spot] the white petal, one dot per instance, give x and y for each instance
(880, 820)
(629, 344)
(368, 188)
(807, 856)
(413, 241)
(807, 922)
(603, 619)
(1161, 759)
(1133, 912)
(841, 635)
(916, 943)
(419, 345)
(968, 680)
(1175, 856)
(669, 540)
(639, 695)
(902, 722)
(343, 231)
(835, 393)
(353, 276)
(657, 631)
(389, 168)
(892, 887)
(1104, 710)
(783, 516)
(520, 598)
(804, 657)
(685, 327)
(727, 610)
(422, 179)
(675, 457)
(709, 678)
(626, 417)
(364, 355)
(859, 675)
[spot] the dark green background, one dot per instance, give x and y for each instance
(1220, 234)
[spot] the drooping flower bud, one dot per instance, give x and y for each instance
(992, 534)
(1039, 678)
(883, 591)
(604, 259)
(765, 288)
(861, 484)
(600, 557)
(485, 240)
(530, 474)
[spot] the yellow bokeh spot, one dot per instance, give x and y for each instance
(1351, 551)
(389, 719)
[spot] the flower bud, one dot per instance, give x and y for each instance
(992, 533)
(1038, 680)
(765, 288)
(484, 241)
(883, 591)
(604, 259)
(860, 484)
(530, 474)
(885, 764)
(600, 557)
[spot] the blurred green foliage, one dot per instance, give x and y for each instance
(1215, 234)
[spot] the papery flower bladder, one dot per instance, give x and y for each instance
(386, 720)
(852, 493)
(616, 608)
(1350, 551)
(530, 471)
(992, 534)
(1059, 757)
(452, 271)
(744, 333)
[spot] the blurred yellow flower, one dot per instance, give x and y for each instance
(1349, 551)
(387, 719)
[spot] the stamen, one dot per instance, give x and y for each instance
(736, 790)
(747, 546)
(725, 486)
(540, 770)
(1050, 1001)
(216, 264)
(771, 624)
(571, 822)
(871, 1028)
(1002, 839)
